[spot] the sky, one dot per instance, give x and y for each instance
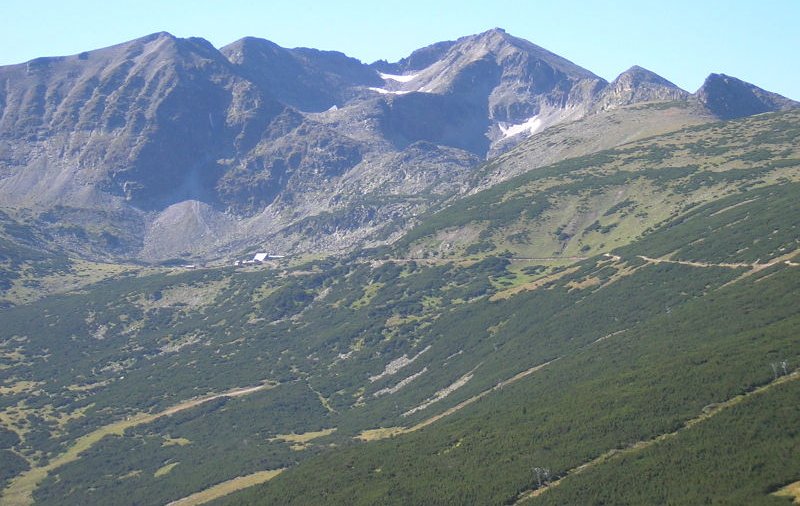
(681, 40)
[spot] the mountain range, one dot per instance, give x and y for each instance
(163, 148)
(506, 280)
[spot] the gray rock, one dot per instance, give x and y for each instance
(163, 147)
(637, 85)
(730, 98)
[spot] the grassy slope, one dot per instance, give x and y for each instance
(28, 273)
(141, 344)
(598, 132)
(591, 204)
(708, 341)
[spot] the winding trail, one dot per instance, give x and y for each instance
(20, 491)
(707, 413)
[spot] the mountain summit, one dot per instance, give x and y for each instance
(519, 86)
(729, 97)
(638, 84)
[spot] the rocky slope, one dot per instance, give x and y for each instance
(638, 85)
(729, 98)
(164, 147)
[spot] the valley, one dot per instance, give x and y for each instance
(490, 277)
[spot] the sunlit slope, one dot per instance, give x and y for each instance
(679, 338)
(483, 366)
(586, 205)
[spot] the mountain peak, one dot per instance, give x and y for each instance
(637, 76)
(510, 51)
(638, 84)
(159, 35)
(728, 98)
(493, 33)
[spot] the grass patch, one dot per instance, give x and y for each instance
(369, 293)
(791, 490)
(381, 433)
(165, 470)
(227, 487)
(301, 440)
(175, 441)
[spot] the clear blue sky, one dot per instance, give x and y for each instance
(682, 40)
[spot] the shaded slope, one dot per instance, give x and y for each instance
(307, 79)
(729, 97)
(143, 122)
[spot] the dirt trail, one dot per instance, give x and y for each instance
(707, 413)
(702, 264)
(755, 266)
(20, 491)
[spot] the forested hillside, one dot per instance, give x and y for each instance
(619, 328)
(666, 385)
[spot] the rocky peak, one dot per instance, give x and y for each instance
(635, 85)
(308, 79)
(728, 98)
(637, 76)
(416, 61)
(245, 49)
(507, 47)
(511, 79)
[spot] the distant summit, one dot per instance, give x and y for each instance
(638, 84)
(729, 97)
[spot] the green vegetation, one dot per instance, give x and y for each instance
(504, 352)
(676, 346)
(598, 202)
(753, 435)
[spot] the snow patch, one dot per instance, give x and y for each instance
(398, 78)
(384, 91)
(531, 126)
